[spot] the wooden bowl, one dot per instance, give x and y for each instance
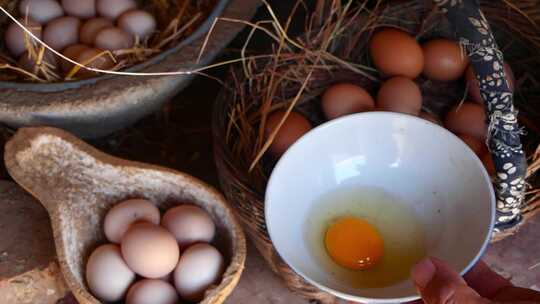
(78, 184)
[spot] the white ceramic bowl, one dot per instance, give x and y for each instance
(425, 165)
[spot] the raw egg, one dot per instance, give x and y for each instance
(72, 52)
(345, 98)
(16, 37)
(113, 9)
(112, 39)
(93, 58)
(107, 275)
(62, 32)
(41, 11)
(430, 117)
(478, 147)
(396, 53)
(150, 250)
(444, 60)
(294, 127)
(467, 118)
(138, 23)
(400, 94)
(200, 267)
(92, 27)
(121, 216)
(354, 243)
(189, 224)
(152, 291)
(83, 9)
(474, 89)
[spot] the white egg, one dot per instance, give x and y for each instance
(80, 8)
(200, 267)
(138, 23)
(152, 291)
(62, 32)
(16, 37)
(113, 9)
(113, 38)
(107, 275)
(189, 224)
(41, 11)
(122, 215)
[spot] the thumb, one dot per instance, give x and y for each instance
(437, 283)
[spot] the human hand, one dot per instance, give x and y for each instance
(437, 283)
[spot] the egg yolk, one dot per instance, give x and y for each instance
(354, 243)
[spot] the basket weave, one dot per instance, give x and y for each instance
(245, 189)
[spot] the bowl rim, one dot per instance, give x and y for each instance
(344, 120)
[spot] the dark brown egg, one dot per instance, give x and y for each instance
(294, 127)
(400, 94)
(467, 118)
(444, 60)
(478, 146)
(16, 37)
(93, 58)
(474, 89)
(345, 98)
(72, 52)
(396, 53)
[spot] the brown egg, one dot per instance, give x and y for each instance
(345, 98)
(150, 250)
(41, 11)
(113, 9)
(294, 127)
(444, 60)
(138, 23)
(400, 94)
(467, 118)
(487, 160)
(152, 291)
(474, 89)
(92, 58)
(478, 147)
(72, 52)
(16, 37)
(431, 117)
(80, 8)
(122, 215)
(62, 32)
(31, 64)
(112, 39)
(396, 53)
(92, 27)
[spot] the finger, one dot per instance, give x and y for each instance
(439, 284)
(485, 281)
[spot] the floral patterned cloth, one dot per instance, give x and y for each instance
(503, 132)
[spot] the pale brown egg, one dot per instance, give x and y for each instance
(400, 94)
(41, 11)
(92, 27)
(35, 65)
(444, 60)
(189, 224)
(83, 9)
(113, 9)
(121, 216)
(72, 52)
(430, 117)
(345, 98)
(152, 291)
(474, 89)
(467, 118)
(62, 32)
(112, 39)
(16, 37)
(478, 146)
(107, 275)
(138, 23)
(200, 267)
(93, 58)
(294, 127)
(396, 53)
(150, 250)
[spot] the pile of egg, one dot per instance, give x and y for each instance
(154, 259)
(80, 29)
(400, 59)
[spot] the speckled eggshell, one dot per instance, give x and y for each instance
(138, 23)
(113, 38)
(189, 224)
(15, 36)
(113, 9)
(121, 216)
(41, 11)
(62, 32)
(83, 9)
(152, 291)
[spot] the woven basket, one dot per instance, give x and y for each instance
(245, 188)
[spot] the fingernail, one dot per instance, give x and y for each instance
(423, 272)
